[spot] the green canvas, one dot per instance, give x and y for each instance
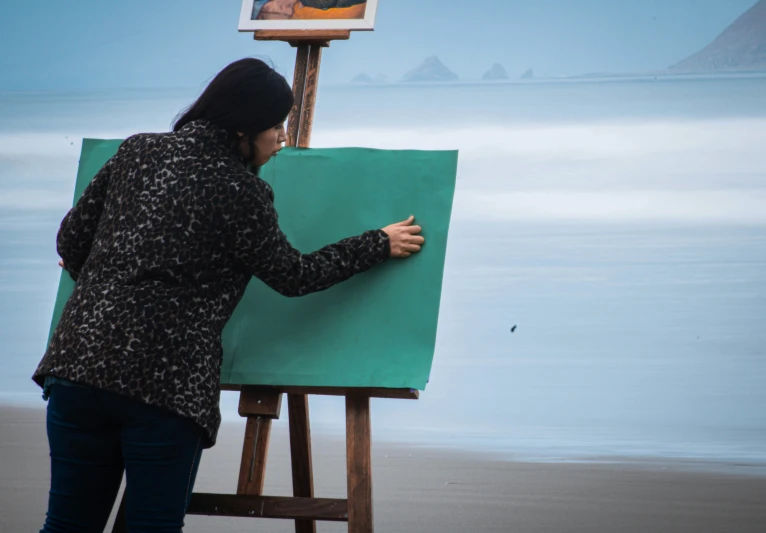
(377, 329)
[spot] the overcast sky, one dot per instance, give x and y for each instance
(83, 44)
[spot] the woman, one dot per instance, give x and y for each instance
(162, 245)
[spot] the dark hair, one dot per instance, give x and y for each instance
(247, 96)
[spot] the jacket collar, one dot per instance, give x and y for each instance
(212, 137)
(202, 130)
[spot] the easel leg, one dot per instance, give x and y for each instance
(310, 95)
(359, 464)
(252, 473)
(305, 84)
(299, 87)
(300, 451)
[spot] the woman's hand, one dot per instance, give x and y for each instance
(404, 238)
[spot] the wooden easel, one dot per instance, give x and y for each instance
(260, 404)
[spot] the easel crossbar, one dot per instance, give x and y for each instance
(372, 392)
(284, 507)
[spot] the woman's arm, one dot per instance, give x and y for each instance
(263, 249)
(75, 236)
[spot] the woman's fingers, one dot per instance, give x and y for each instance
(413, 230)
(413, 239)
(407, 222)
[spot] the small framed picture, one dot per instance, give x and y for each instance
(307, 15)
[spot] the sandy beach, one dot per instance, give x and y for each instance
(418, 489)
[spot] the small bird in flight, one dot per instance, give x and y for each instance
(513, 328)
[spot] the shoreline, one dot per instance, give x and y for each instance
(690, 464)
(425, 490)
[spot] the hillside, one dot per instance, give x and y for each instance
(740, 48)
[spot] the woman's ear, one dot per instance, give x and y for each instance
(240, 133)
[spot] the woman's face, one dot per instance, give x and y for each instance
(267, 144)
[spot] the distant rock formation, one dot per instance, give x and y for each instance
(432, 69)
(362, 78)
(740, 48)
(497, 72)
(365, 79)
(529, 74)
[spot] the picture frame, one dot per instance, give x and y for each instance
(297, 15)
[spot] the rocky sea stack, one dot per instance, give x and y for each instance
(362, 78)
(432, 69)
(497, 72)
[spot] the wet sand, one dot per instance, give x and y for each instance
(422, 490)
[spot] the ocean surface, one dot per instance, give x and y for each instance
(619, 224)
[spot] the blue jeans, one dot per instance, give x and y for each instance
(94, 436)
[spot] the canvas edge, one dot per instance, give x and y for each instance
(236, 379)
(297, 150)
(450, 220)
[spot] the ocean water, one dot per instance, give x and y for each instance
(619, 224)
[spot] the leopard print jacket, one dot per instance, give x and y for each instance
(162, 245)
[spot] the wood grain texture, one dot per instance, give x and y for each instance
(300, 454)
(260, 401)
(294, 37)
(255, 451)
(299, 86)
(359, 464)
(326, 509)
(309, 96)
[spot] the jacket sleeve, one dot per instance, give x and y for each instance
(263, 250)
(75, 236)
